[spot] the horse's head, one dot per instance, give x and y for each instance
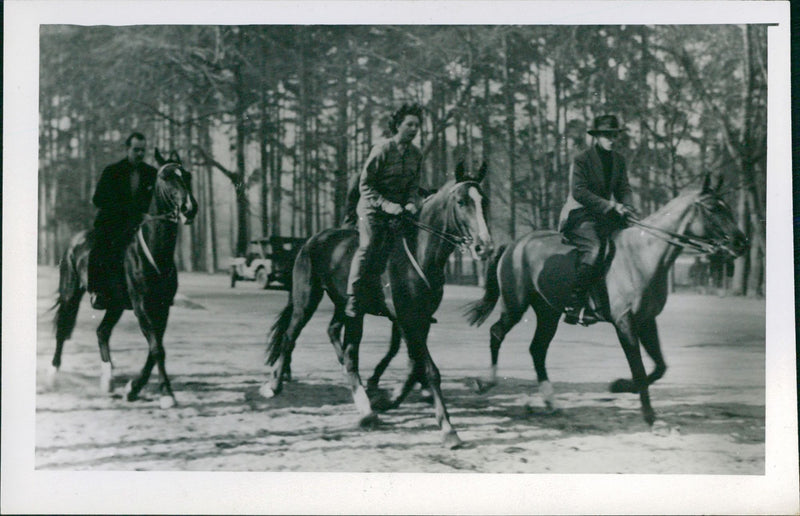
(173, 192)
(713, 221)
(469, 208)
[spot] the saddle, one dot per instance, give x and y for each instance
(558, 275)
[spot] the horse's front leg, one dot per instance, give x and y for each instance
(648, 335)
(110, 319)
(416, 336)
(394, 347)
(630, 345)
(153, 322)
(353, 331)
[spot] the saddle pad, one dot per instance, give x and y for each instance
(557, 278)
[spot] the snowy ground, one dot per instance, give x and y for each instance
(710, 404)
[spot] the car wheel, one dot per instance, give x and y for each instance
(234, 276)
(262, 278)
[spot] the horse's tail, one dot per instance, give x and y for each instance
(69, 296)
(477, 311)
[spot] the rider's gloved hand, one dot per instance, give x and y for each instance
(392, 208)
(410, 208)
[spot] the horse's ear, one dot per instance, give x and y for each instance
(706, 183)
(460, 172)
(159, 158)
(173, 156)
(481, 172)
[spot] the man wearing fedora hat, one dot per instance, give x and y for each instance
(590, 214)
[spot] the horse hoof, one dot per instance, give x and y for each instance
(52, 377)
(452, 441)
(105, 385)
(649, 417)
(426, 396)
(129, 394)
(621, 385)
(267, 391)
(380, 400)
(479, 386)
(105, 378)
(166, 402)
(369, 422)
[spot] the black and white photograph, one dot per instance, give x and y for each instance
(436, 257)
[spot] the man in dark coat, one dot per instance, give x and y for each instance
(590, 214)
(388, 187)
(122, 195)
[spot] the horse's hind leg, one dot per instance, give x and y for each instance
(353, 331)
(335, 328)
(394, 347)
(546, 326)
(508, 319)
(303, 307)
(110, 319)
(630, 345)
(648, 335)
(69, 301)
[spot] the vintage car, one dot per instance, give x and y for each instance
(268, 262)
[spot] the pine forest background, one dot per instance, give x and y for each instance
(272, 120)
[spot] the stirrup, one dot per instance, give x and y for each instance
(587, 317)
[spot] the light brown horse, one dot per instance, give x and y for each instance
(149, 284)
(538, 270)
(452, 216)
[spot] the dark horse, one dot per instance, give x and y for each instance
(453, 216)
(150, 278)
(538, 270)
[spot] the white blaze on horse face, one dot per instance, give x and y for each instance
(483, 230)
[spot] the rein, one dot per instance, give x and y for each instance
(171, 216)
(702, 245)
(460, 240)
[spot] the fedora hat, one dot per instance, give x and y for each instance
(605, 124)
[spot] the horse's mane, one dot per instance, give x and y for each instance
(681, 198)
(443, 191)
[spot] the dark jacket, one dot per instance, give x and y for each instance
(388, 176)
(116, 203)
(589, 197)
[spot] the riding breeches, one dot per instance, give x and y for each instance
(376, 235)
(590, 239)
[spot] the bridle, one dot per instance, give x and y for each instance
(173, 215)
(462, 240)
(711, 245)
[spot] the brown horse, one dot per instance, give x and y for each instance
(538, 270)
(452, 217)
(149, 284)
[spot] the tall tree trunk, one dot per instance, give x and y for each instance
(510, 118)
(341, 173)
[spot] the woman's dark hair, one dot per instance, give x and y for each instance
(400, 115)
(134, 136)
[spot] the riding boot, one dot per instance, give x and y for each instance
(578, 310)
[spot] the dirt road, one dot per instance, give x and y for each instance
(710, 404)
